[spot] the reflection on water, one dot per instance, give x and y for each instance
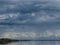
(35, 43)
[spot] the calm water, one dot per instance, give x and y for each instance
(35, 43)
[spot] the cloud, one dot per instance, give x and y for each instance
(19, 35)
(29, 18)
(31, 35)
(34, 12)
(50, 34)
(38, 19)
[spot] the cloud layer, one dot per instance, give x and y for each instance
(29, 19)
(31, 35)
(33, 12)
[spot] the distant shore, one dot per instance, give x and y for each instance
(6, 41)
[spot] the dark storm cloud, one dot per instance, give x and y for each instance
(33, 12)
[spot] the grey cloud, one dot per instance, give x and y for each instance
(31, 35)
(34, 16)
(34, 12)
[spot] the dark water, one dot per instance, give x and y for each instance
(35, 43)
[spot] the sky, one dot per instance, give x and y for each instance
(30, 19)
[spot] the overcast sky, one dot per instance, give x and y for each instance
(29, 19)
